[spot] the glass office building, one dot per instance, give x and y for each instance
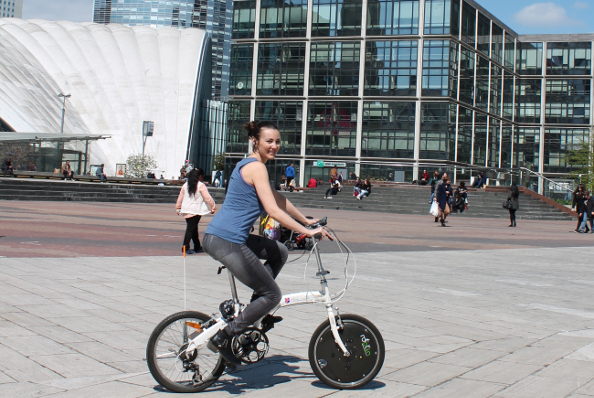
(11, 8)
(214, 16)
(397, 86)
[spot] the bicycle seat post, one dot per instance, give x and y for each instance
(233, 288)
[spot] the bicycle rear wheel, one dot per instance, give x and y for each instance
(363, 341)
(168, 362)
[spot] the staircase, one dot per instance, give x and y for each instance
(409, 199)
(56, 190)
(398, 199)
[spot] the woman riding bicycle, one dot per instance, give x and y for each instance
(228, 240)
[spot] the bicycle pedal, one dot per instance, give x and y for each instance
(227, 309)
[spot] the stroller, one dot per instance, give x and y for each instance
(292, 239)
(458, 203)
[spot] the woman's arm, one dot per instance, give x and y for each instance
(285, 204)
(255, 173)
(180, 198)
(207, 198)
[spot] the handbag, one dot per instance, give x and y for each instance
(434, 210)
(507, 204)
(270, 228)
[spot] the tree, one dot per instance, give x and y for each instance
(583, 161)
(218, 162)
(137, 166)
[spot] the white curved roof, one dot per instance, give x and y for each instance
(118, 77)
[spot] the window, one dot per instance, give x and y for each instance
(437, 17)
(334, 68)
(496, 89)
(244, 19)
(283, 19)
(336, 18)
(497, 44)
(391, 68)
(558, 143)
(482, 83)
(392, 17)
(483, 42)
(528, 95)
(438, 130)
(510, 50)
(468, 24)
(568, 101)
(439, 68)
(240, 81)
(281, 68)
(508, 95)
(287, 115)
(388, 129)
(467, 76)
(331, 128)
(527, 148)
(494, 138)
(529, 60)
(569, 58)
(506, 145)
(239, 114)
(464, 135)
(480, 138)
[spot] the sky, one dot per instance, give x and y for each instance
(522, 16)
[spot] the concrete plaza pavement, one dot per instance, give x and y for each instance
(515, 319)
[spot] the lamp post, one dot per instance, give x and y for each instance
(63, 96)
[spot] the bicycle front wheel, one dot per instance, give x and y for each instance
(365, 344)
(173, 367)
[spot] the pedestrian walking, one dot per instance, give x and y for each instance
(590, 211)
(442, 196)
(289, 175)
(583, 228)
(514, 198)
(437, 183)
(193, 202)
(577, 204)
(433, 182)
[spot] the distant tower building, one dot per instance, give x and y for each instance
(11, 8)
(214, 16)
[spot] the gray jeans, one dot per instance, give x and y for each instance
(243, 262)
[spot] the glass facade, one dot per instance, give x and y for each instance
(214, 16)
(380, 81)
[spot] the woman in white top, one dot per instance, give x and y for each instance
(193, 202)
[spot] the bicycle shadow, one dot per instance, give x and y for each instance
(269, 372)
(273, 370)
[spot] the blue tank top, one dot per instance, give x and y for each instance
(239, 211)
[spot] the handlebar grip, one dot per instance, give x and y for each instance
(323, 222)
(318, 236)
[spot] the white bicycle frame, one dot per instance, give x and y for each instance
(310, 297)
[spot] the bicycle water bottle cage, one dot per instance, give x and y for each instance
(227, 309)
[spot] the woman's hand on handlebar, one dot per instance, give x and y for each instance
(320, 231)
(312, 221)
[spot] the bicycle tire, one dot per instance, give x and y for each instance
(164, 360)
(364, 342)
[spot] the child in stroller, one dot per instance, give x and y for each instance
(459, 200)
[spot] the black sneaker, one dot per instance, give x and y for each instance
(222, 341)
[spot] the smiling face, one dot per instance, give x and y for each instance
(268, 145)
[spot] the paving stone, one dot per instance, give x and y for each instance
(502, 372)
(539, 387)
(462, 388)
